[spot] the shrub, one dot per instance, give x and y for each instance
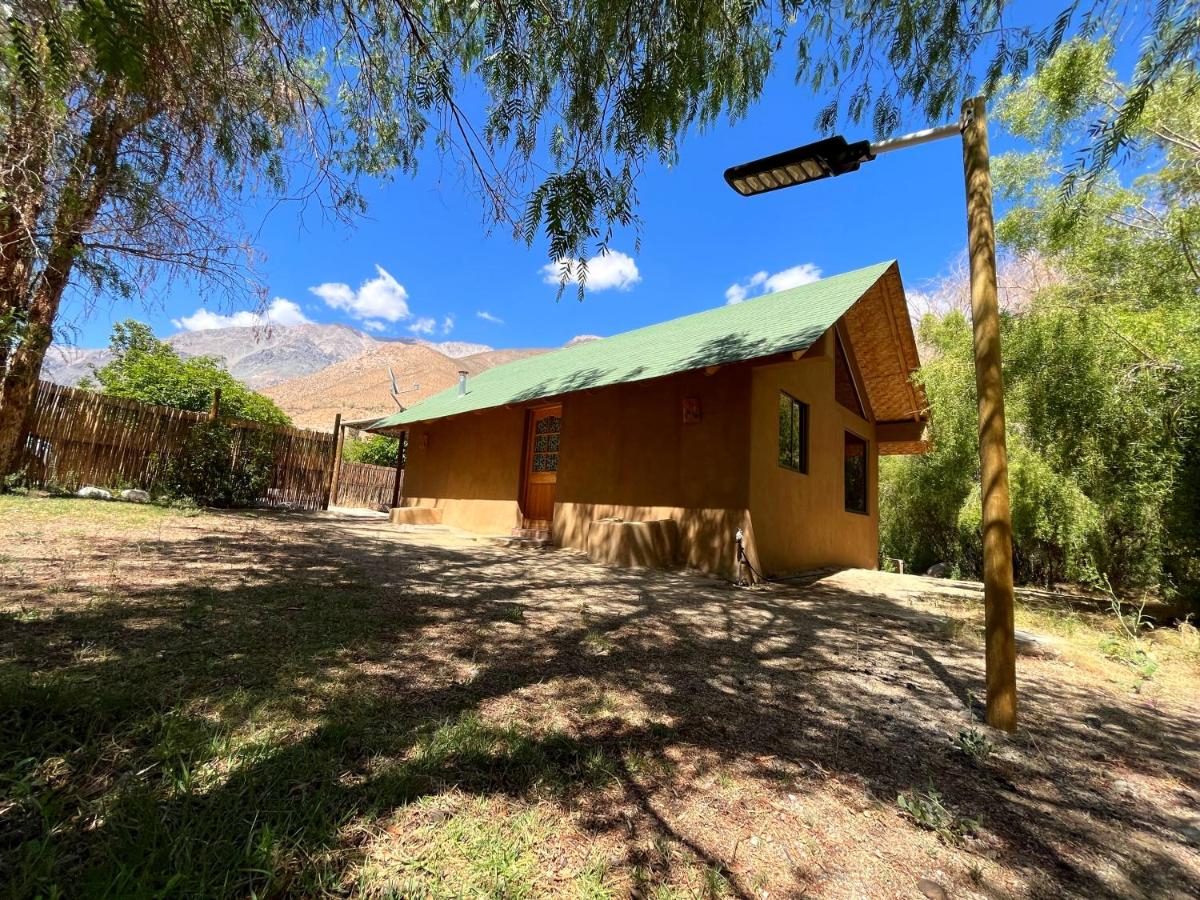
(377, 450)
(221, 465)
(928, 811)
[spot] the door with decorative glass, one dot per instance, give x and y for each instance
(541, 465)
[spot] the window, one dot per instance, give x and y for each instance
(856, 474)
(793, 433)
(545, 443)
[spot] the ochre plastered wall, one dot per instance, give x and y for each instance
(469, 467)
(627, 452)
(800, 520)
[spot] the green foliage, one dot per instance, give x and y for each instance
(927, 810)
(377, 450)
(147, 369)
(222, 465)
(974, 744)
(1126, 644)
(1102, 361)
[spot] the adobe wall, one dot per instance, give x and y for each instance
(628, 452)
(469, 468)
(800, 520)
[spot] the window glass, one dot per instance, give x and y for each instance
(856, 473)
(793, 433)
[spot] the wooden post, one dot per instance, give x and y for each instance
(333, 463)
(339, 441)
(216, 404)
(401, 438)
(1001, 649)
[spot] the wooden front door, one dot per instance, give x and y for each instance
(541, 465)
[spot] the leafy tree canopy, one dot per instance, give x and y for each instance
(147, 369)
(377, 450)
(131, 132)
(1102, 362)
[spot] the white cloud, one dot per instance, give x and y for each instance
(374, 325)
(381, 297)
(762, 282)
(447, 324)
(280, 312)
(736, 293)
(612, 269)
(488, 317)
(423, 325)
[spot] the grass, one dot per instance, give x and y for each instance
(232, 705)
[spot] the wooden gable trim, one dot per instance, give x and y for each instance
(842, 340)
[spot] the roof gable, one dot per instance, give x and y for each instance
(785, 321)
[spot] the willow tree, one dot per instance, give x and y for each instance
(134, 130)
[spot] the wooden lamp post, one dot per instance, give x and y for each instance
(836, 156)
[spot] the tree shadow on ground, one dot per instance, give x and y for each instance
(370, 673)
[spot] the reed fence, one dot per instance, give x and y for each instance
(73, 437)
(365, 485)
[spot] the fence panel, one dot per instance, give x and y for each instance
(73, 437)
(365, 485)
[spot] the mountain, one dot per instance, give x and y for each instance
(360, 388)
(315, 371)
(68, 365)
(456, 349)
(258, 357)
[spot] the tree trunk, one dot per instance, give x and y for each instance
(21, 376)
(84, 193)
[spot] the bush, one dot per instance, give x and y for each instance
(221, 465)
(1056, 528)
(377, 450)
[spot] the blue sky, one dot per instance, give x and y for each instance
(421, 263)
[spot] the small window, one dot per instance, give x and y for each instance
(793, 433)
(856, 474)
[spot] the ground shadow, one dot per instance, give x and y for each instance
(401, 659)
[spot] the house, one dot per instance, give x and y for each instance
(657, 446)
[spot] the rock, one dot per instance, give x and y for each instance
(93, 493)
(1124, 789)
(937, 570)
(1091, 720)
(1189, 832)
(932, 889)
(1030, 644)
(134, 495)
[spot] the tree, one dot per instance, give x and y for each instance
(1102, 364)
(376, 450)
(147, 369)
(132, 131)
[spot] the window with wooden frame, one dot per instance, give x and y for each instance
(793, 433)
(856, 474)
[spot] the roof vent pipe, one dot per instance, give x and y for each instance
(462, 382)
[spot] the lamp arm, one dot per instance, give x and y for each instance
(917, 137)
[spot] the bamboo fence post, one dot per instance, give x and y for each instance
(337, 426)
(339, 440)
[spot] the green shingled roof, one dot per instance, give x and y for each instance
(774, 323)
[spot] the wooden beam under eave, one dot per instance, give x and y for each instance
(902, 432)
(711, 370)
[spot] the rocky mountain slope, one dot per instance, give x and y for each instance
(258, 357)
(360, 387)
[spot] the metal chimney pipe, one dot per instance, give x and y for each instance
(462, 382)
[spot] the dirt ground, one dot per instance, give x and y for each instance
(228, 703)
